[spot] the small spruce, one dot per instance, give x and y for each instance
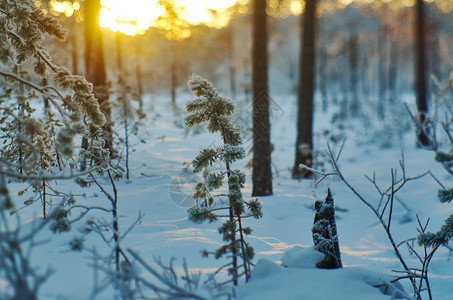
(214, 111)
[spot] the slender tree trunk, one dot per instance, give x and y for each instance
(173, 74)
(44, 82)
(354, 76)
(95, 68)
(262, 173)
(232, 68)
(323, 75)
(21, 112)
(435, 60)
(119, 54)
(74, 54)
(304, 143)
(44, 200)
(382, 53)
(421, 82)
(123, 97)
(139, 76)
(393, 72)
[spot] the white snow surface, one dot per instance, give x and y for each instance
(285, 260)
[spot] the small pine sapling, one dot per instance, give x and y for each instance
(215, 111)
(325, 235)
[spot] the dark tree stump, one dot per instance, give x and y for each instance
(325, 235)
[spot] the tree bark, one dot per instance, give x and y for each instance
(74, 54)
(421, 82)
(354, 57)
(393, 73)
(232, 67)
(173, 73)
(139, 76)
(95, 66)
(262, 173)
(382, 53)
(304, 143)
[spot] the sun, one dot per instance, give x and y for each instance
(136, 16)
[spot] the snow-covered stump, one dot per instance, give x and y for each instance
(325, 235)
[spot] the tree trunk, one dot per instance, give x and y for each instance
(393, 72)
(304, 143)
(139, 75)
(122, 82)
(262, 173)
(232, 68)
(421, 82)
(354, 73)
(323, 71)
(173, 74)
(119, 53)
(74, 54)
(382, 53)
(95, 66)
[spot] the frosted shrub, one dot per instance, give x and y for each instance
(38, 144)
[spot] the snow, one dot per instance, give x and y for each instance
(285, 259)
(271, 281)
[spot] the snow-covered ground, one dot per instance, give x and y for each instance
(160, 172)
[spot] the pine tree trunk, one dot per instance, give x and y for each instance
(323, 73)
(95, 66)
(119, 54)
(139, 76)
(393, 72)
(232, 68)
(421, 82)
(123, 97)
(304, 143)
(354, 76)
(382, 53)
(173, 74)
(262, 173)
(74, 54)
(44, 82)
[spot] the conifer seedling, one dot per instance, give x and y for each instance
(214, 111)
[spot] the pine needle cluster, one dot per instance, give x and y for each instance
(214, 111)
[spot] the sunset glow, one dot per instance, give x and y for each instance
(135, 16)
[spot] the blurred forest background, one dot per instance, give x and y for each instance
(365, 48)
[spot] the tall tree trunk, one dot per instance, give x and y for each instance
(232, 68)
(304, 143)
(95, 66)
(173, 74)
(122, 82)
(354, 70)
(393, 73)
(139, 76)
(435, 58)
(323, 69)
(119, 52)
(262, 172)
(382, 53)
(421, 82)
(74, 54)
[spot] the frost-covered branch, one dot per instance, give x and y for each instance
(385, 215)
